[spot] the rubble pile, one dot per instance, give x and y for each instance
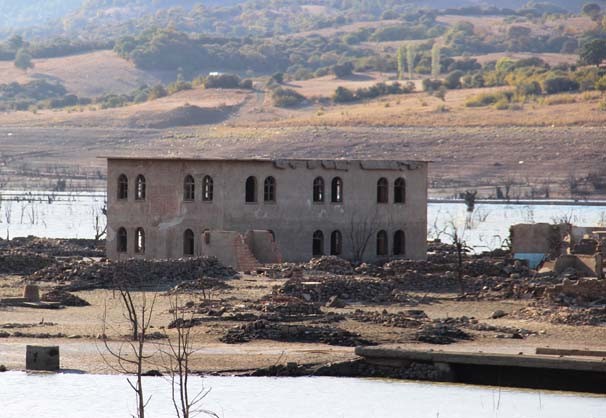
(282, 271)
(583, 292)
(55, 247)
(565, 315)
(82, 275)
(201, 284)
(441, 332)
(406, 319)
(345, 288)
(475, 325)
(64, 298)
(287, 305)
(265, 330)
(330, 264)
(23, 262)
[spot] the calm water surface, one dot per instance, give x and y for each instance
(73, 215)
(95, 396)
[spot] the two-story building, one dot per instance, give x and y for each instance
(288, 210)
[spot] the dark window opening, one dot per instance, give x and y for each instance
(269, 190)
(207, 189)
(251, 190)
(122, 187)
(188, 242)
(318, 189)
(140, 188)
(337, 190)
(382, 248)
(336, 243)
(139, 241)
(382, 191)
(122, 242)
(318, 244)
(273, 235)
(189, 188)
(399, 243)
(399, 195)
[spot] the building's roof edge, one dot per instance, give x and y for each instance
(257, 160)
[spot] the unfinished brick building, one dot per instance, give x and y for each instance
(250, 211)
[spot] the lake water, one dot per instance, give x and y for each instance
(73, 215)
(96, 396)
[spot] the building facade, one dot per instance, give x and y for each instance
(364, 210)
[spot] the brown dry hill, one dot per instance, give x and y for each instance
(186, 108)
(88, 75)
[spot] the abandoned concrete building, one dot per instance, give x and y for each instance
(252, 211)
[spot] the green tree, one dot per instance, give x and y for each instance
(401, 62)
(593, 52)
(410, 59)
(592, 10)
(15, 42)
(435, 61)
(343, 95)
(23, 60)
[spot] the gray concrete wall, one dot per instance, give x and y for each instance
(262, 245)
(293, 218)
(221, 245)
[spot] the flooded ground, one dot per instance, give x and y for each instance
(76, 396)
(79, 215)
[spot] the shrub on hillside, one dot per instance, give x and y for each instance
(343, 70)
(226, 81)
(283, 97)
(344, 95)
(559, 84)
(487, 99)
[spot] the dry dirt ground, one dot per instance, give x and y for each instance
(82, 350)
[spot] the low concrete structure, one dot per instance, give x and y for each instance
(42, 358)
(280, 210)
(530, 371)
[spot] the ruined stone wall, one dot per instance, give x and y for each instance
(293, 218)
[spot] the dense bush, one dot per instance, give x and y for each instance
(487, 99)
(343, 70)
(226, 81)
(284, 97)
(344, 95)
(559, 84)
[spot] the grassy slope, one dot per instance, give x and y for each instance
(88, 75)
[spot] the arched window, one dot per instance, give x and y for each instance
(139, 241)
(382, 190)
(318, 244)
(382, 248)
(188, 242)
(251, 190)
(189, 188)
(399, 243)
(122, 241)
(140, 187)
(318, 189)
(122, 187)
(399, 190)
(336, 243)
(207, 189)
(269, 189)
(337, 190)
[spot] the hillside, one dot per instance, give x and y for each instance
(88, 75)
